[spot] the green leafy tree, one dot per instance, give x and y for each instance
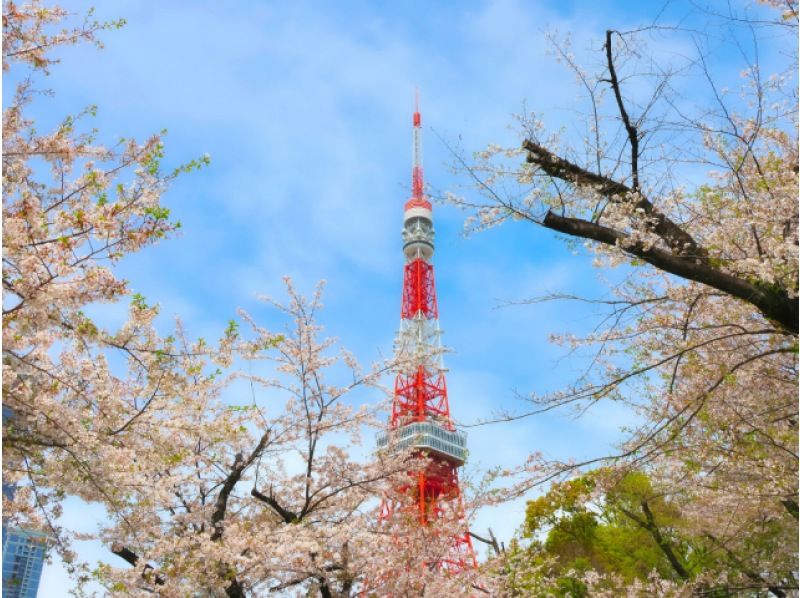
(621, 528)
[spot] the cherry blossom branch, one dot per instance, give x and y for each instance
(773, 302)
(774, 589)
(681, 242)
(285, 514)
(130, 557)
(230, 482)
(491, 541)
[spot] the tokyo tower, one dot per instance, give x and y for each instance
(420, 418)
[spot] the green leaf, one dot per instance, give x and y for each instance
(139, 302)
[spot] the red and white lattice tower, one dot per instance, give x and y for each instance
(420, 418)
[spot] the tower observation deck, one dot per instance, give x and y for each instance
(420, 419)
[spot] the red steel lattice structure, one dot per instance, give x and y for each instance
(420, 418)
(419, 292)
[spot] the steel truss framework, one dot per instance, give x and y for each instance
(420, 419)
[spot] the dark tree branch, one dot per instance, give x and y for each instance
(559, 168)
(633, 134)
(491, 541)
(774, 303)
(662, 542)
(678, 240)
(125, 553)
(791, 506)
(752, 575)
(234, 588)
(305, 577)
(649, 523)
(288, 584)
(132, 559)
(285, 514)
(221, 504)
(324, 590)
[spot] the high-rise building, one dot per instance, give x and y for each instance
(420, 418)
(24, 550)
(23, 559)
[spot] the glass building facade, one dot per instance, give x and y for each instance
(24, 551)
(23, 560)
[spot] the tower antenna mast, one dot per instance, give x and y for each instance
(420, 418)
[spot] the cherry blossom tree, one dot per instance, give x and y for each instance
(262, 495)
(694, 194)
(206, 490)
(74, 423)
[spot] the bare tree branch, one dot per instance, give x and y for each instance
(774, 303)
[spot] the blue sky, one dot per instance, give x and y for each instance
(305, 109)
